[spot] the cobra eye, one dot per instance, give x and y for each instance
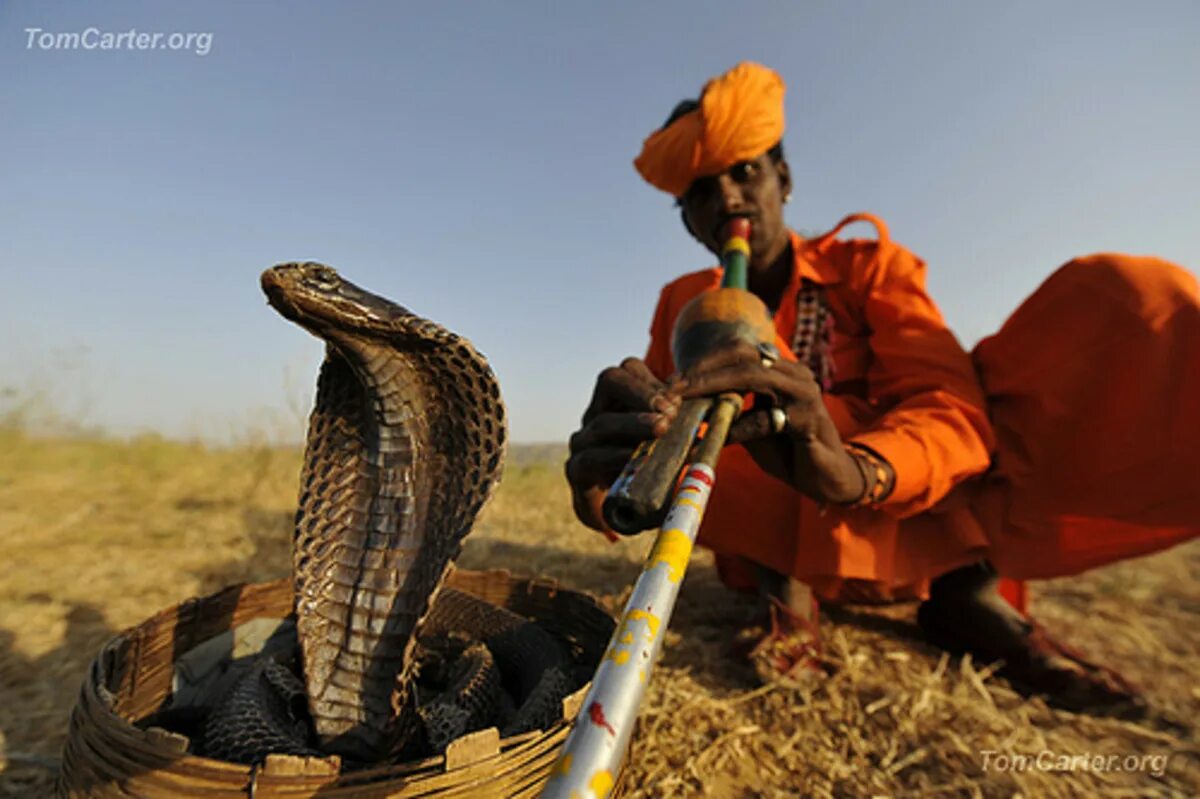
(322, 277)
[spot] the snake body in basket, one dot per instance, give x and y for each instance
(405, 446)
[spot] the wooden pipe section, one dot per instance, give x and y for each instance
(713, 320)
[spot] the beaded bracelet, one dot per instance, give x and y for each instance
(879, 478)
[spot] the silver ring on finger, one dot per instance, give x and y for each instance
(778, 420)
(768, 353)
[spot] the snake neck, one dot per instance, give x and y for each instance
(356, 543)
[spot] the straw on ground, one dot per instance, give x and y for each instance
(99, 534)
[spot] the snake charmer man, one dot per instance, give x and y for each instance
(880, 460)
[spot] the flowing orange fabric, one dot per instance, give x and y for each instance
(1094, 386)
(740, 117)
(1086, 472)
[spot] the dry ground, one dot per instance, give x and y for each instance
(97, 535)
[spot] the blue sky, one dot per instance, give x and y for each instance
(472, 161)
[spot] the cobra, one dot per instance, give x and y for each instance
(405, 446)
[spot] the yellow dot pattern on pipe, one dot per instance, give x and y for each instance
(601, 783)
(623, 643)
(673, 548)
(650, 619)
(618, 656)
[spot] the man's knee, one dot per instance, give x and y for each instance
(1143, 283)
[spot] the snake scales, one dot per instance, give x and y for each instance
(405, 446)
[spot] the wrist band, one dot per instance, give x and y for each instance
(879, 478)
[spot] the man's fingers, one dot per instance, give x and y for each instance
(640, 371)
(726, 356)
(739, 376)
(598, 466)
(628, 387)
(741, 370)
(618, 429)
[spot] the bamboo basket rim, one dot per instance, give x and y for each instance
(108, 754)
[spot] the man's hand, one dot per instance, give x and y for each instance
(808, 452)
(629, 406)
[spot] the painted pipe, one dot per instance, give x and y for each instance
(595, 750)
(713, 320)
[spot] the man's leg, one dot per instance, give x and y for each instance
(786, 594)
(782, 640)
(965, 613)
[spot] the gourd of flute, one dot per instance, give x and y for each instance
(723, 316)
(714, 319)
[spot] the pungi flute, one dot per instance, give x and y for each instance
(592, 755)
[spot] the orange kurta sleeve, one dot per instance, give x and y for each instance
(934, 427)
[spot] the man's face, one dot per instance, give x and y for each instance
(754, 189)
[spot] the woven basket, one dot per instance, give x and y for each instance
(107, 755)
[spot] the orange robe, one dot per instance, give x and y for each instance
(905, 387)
(1093, 386)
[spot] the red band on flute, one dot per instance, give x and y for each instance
(739, 226)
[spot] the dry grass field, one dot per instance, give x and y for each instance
(99, 534)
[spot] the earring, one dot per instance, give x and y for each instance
(787, 198)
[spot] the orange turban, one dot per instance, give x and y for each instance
(740, 117)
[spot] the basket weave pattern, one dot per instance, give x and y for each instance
(107, 755)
